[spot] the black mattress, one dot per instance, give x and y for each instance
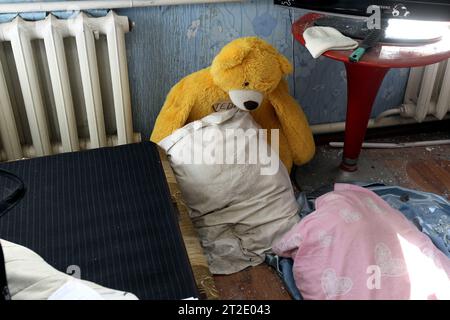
(107, 211)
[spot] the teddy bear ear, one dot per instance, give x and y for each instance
(230, 56)
(286, 66)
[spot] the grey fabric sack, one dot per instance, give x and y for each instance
(239, 208)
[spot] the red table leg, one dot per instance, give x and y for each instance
(363, 83)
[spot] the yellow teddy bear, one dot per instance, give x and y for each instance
(249, 72)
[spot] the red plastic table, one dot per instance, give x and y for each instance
(365, 77)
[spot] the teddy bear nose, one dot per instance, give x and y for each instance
(251, 105)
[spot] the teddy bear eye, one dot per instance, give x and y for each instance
(246, 84)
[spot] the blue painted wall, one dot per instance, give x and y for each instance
(170, 42)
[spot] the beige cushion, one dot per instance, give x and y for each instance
(31, 278)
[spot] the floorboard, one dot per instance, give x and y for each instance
(257, 283)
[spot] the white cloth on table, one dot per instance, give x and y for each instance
(321, 39)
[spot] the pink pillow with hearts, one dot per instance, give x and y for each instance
(355, 246)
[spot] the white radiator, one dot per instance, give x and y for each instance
(63, 85)
(428, 92)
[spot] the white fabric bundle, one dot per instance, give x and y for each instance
(29, 277)
(238, 211)
(321, 39)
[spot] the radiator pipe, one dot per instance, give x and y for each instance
(384, 145)
(383, 122)
(91, 5)
(387, 113)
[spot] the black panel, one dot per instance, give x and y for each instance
(107, 211)
(417, 9)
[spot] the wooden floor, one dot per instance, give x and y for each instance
(257, 283)
(426, 169)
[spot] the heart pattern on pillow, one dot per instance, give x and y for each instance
(291, 244)
(389, 266)
(350, 216)
(325, 239)
(334, 286)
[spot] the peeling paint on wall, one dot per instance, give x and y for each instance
(193, 28)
